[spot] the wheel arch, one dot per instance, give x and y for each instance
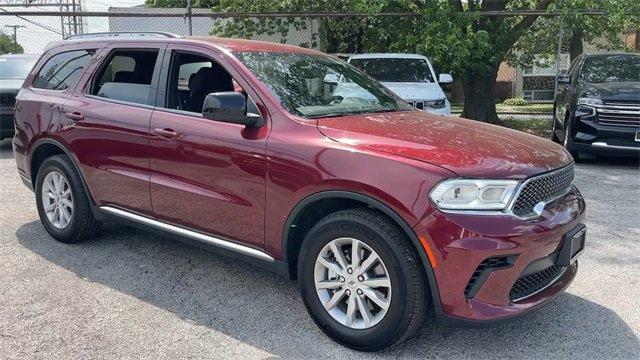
(45, 148)
(340, 199)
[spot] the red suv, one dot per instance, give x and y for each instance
(381, 212)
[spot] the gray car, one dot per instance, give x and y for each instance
(14, 68)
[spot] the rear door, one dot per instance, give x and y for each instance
(206, 175)
(108, 124)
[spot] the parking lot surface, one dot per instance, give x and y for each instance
(128, 294)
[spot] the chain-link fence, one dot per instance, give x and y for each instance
(524, 81)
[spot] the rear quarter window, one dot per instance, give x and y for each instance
(62, 70)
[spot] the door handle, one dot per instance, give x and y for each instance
(166, 133)
(74, 116)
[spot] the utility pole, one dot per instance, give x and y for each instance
(189, 17)
(15, 36)
(559, 50)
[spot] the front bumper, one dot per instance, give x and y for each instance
(7, 126)
(461, 242)
(590, 135)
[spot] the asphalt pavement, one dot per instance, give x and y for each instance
(132, 295)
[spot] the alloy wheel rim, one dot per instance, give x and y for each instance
(57, 200)
(352, 283)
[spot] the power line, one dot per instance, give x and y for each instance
(34, 23)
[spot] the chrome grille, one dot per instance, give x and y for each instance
(544, 188)
(619, 113)
(417, 104)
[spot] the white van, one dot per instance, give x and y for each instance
(410, 76)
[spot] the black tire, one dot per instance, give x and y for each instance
(82, 225)
(567, 141)
(411, 297)
(554, 135)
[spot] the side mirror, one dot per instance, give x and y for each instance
(445, 79)
(331, 79)
(563, 79)
(230, 107)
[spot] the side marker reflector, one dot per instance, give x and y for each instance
(427, 249)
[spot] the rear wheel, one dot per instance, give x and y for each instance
(63, 204)
(361, 281)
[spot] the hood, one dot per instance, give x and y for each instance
(11, 84)
(466, 147)
(620, 91)
(416, 90)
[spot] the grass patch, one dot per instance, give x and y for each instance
(539, 127)
(542, 108)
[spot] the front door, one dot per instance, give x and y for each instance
(206, 175)
(108, 124)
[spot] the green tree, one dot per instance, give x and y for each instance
(597, 32)
(8, 46)
(452, 33)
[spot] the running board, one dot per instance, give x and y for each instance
(225, 244)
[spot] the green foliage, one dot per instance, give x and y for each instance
(595, 33)
(451, 32)
(7, 45)
(515, 102)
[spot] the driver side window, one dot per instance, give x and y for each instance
(192, 77)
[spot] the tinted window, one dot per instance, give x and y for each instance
(319, 86)
(62, 70)
(611, 68)
(395, 69)
(16, 68)
(126, 76)
(191, 78)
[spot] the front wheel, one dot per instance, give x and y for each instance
(361, 280)
(568, 141)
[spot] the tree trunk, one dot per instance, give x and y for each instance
(575, 44)
(480, 95)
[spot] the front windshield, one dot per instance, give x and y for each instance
(611, 68)
(316, 86)
(395, 69)
(15, 68)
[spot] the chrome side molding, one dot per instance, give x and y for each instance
(602, 144)
(225, 244)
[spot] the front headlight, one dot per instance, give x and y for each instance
(590, 101)
(435, 104)
(470, 194)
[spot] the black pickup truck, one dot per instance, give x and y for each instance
(597, 106)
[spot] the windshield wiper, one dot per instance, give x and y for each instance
(347, 113)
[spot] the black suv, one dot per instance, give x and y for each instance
(597, 106)
(13, 70)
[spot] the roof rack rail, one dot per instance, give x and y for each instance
(122, 34)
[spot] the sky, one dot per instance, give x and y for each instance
(34, 38)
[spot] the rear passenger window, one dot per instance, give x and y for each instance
(126, 76)
(62, 70)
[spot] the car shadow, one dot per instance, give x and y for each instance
(263, 309)
(621, 162)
